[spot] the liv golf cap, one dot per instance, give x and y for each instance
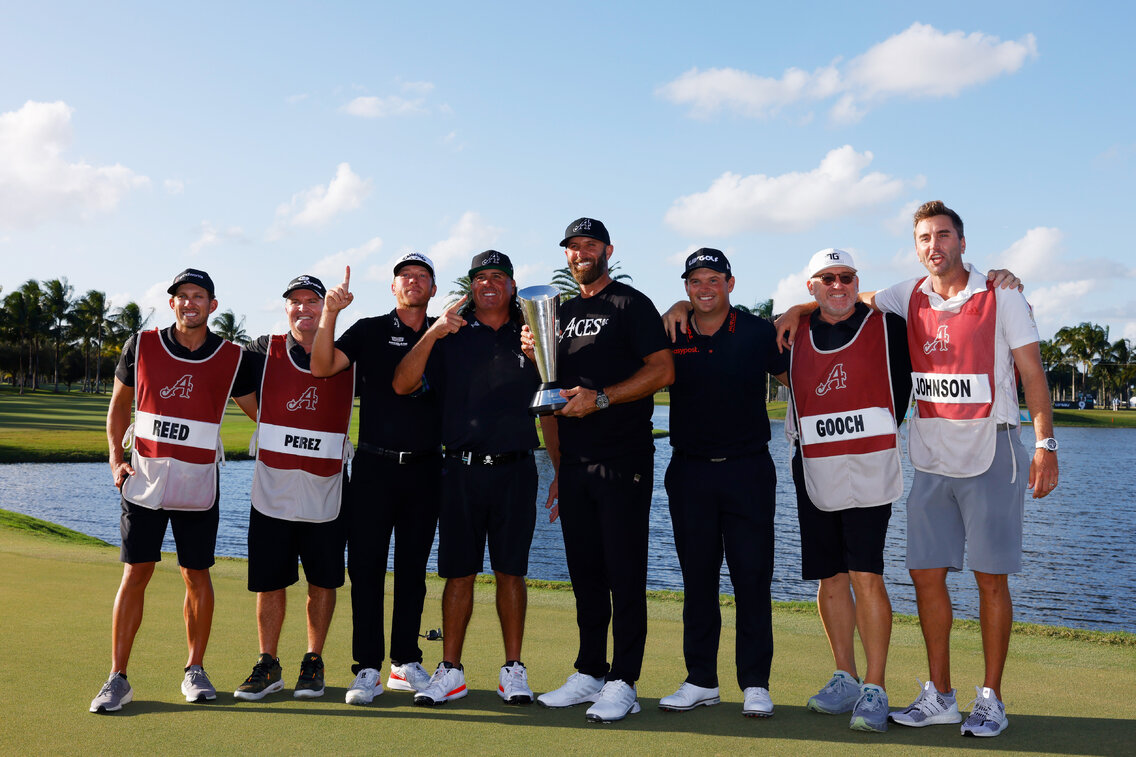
(586, 227)
(192, 276)
(830, 258)
(707, 257)
(414, 258)
(498, 261)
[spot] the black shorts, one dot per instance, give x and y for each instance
(275, 545)
(195, 534)
(841, 540)
(479, 501)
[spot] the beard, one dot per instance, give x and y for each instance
(590, 275)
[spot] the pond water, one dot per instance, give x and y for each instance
(1079, 563)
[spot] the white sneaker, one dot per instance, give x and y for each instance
(988, 718)
(839, 695)
(409, 677)
(758, 703)
(579, 688)
(196, 685)
(367, 685)
(931, 707)
(688, 697)
(616, 701)
(445, 685)
(513, 684)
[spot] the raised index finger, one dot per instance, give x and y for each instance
(457, 305)
(347, 280)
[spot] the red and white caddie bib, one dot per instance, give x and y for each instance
(952, 376)
(844, 420)
(179, 404)
(301, 439)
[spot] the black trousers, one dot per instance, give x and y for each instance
(725, 508)
(388, 498)
(604, 511)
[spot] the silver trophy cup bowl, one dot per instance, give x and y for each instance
(540, 304)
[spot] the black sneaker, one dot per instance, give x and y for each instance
(267, 678)
(310, 683)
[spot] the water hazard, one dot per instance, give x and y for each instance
(1079, 568)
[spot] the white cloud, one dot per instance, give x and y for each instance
(469, 236)
(318, 205)
(330, 269)
(791, 290)
(1034, 257)
(919, 62)
(679, 258)
(418, 87)
(173, 186)
(38, 184)
(210, 235)
(293, 99)
(793, 201)
(381, 107)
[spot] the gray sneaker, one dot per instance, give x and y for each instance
(196, 685)
(114, 693)
(838, 695)
(988, 718)
(871, 710)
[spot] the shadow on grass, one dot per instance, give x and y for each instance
(1027, 734)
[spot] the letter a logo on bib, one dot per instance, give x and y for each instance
(306, 401)
(837, 379)
(942, 338)
(180, 388)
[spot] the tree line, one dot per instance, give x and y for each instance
(50, 336)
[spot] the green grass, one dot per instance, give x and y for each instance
(1065, 696)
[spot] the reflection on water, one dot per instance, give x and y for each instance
(1078, 566)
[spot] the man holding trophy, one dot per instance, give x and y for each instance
(613, 356)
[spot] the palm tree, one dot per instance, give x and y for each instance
(1051, 358)
(35, 325)
(128, 320)
(764, 309)
(228, 327)
(89, 317)
(16, 317)
(463, 287)
(57, 304)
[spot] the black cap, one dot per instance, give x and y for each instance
(586, 227)
(192, 276)
(490, 259)
(414, 258)
(304, 281)
(707, 257)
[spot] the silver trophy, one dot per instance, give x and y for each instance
(539, 305)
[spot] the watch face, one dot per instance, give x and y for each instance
(602, 400)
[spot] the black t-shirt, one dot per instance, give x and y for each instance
(604, 340)
(718, 397)
(832, 336)
(256, 353)
(388, 420)
(248, 374)
(486, 384)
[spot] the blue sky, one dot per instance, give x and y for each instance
(259, 141)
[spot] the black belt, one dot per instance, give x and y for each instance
(708, 459)
(468, 457)
(1005, 426)
(403, 458)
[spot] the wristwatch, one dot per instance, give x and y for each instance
(1049, 444)
(602, 400)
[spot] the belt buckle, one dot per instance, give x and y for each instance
(402, 457)
(466, 458)
(717, 459)
(488, 460)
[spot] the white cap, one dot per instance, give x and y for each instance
(830, 258)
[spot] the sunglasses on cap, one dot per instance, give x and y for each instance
(828, 279)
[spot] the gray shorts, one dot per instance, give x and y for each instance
(947, 515)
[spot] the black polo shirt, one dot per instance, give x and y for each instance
(833, 336)
(718, 397)
(248, 374)
(604, 340)
(406, 424)
(486, 384)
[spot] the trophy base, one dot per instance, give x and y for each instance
(547, 400)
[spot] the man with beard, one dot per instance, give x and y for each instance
(614, 356)
(469, 358)
(297, 489)
(396, 475)
(182, 377)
